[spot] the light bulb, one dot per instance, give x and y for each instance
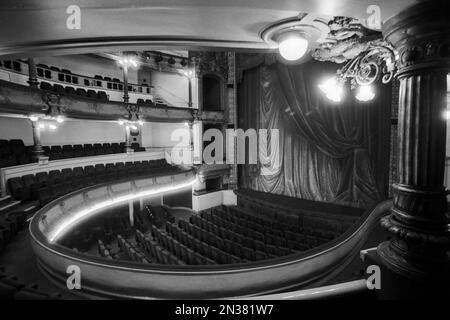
(292, 46)
(332, 88)
(447, 114)
(365, 93)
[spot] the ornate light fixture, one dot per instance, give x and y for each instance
(292, 45)
(46, 122)
(296, 36)
(366, 55)
(131, 124)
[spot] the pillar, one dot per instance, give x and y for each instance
(32, 75)
(190, 91)
(417, 221)
(38, 152)
(131, 212)
(128, 148)
(126, 97)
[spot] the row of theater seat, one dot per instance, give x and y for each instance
(14, 152)
(11, 288)
(316, 219)
(11, 64)
(180, 251)
(263, 241)
(87, 150)
(46, 186)
(156, 252)
(116, 222)
(132, 252)
(204, 246)
(104, 251)
(243, 246)
(243, 220)
(146, 102)
(325, 232)
(59, 89)
(10, 224)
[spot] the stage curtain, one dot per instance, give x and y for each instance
(333, 152)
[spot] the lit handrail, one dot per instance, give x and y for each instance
(325, 292)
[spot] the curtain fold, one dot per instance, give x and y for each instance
(328, 152)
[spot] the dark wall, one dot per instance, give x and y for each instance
(181, 198)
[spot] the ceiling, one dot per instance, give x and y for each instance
(30, 27)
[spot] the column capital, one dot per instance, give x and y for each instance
(421, 36)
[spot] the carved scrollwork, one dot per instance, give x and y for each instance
(53, 104)
(370, 65)
(403, 232)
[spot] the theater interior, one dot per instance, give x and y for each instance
(208, 149)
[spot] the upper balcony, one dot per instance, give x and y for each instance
(79, 96)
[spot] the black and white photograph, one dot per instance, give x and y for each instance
(224, 158)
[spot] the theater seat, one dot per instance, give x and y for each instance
(88, 150)
(91, 94)
(100, 173)
(46, 86)
(81, 92)
(45, 195)
(70, 90)
(18, 189)
(78, 150)
(111, 172)
(54, 176)
(17, 146)
(101, 95)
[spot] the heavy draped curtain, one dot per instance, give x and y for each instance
(333, 152)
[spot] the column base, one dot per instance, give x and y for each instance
(395, 285)
(129, 150)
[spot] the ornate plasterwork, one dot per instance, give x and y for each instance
(347, 39)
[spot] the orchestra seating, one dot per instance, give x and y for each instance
(220, 235)
(46, 186)
(11, 222)
(14, 152)
(11, 288)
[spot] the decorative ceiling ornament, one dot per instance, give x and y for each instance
(346, 40)
(366, 55)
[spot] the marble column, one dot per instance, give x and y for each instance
(417, 219)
